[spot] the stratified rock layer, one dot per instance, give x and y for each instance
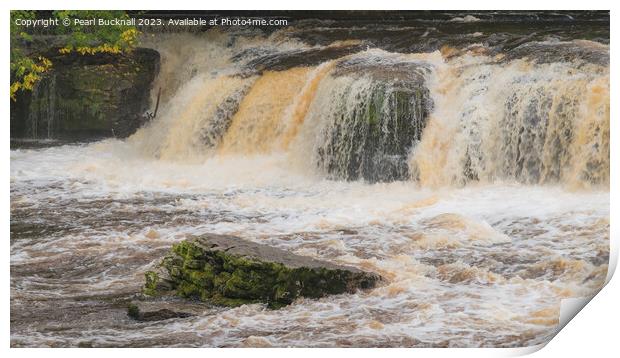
(229, 271)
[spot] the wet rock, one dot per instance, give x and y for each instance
(228, 271)
(555, 51)
(372, 133)
(87, 97)
(214, 130)
(139, 314)
(416, 31)
(263, 60)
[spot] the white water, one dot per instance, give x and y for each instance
(484, 264)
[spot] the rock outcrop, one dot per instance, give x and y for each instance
(87, 97)
(379, 109)
(228, 271)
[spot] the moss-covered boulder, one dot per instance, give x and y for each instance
(228, 271)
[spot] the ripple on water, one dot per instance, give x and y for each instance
(477, 266)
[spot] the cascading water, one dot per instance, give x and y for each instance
(259, 125)
(199, 114)
(518, 120)
(364, 115)
(40, 124)
(474, 179)
(368, 116)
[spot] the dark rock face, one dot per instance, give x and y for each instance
(572, 51)
(372, 138)
(228, 271)
(428, 31)
(136, 313)
(214, 131)
(87, 97)
(263, 60)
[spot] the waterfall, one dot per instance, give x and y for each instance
(537, 114)
(367, 116)
(40, 123)
(259, 124)
(189, 124)
(519, 119)
(462, 156)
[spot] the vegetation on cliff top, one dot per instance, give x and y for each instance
(28, 64)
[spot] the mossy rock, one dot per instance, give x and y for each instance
(371, 133)
(228, 271)
(85, 97)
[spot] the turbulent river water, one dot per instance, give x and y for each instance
(474, 180)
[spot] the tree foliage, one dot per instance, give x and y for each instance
(27, 67)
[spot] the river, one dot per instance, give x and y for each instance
(483, 212)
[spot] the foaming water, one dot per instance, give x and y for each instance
(522, 120)
(451, 173)
(459, 262)
(257, 126)
(203, 104)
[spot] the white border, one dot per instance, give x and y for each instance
(593, 332)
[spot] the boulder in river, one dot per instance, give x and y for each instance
(229, 271)
(136, 313)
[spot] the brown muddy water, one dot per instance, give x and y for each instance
(492, 209)
(478, 266)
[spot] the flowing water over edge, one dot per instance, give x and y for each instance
(500, 207)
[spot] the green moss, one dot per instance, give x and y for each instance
(150, 287)
(230, 280)
(373, 109)
(133, 311)
(220, 300)
(190, 290)
(187, 250)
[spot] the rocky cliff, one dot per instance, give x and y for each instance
(86, 97)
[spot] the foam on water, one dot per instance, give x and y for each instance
(460, 261)
(506, 211)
